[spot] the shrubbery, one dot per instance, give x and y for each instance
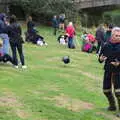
(43, 10)
(112, 17)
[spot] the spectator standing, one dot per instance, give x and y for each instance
(61, 22)
(55, 24)
(108, 33)
(110, 53)
(30, 25)
(100, 38)
(16, 41)
(70, 31)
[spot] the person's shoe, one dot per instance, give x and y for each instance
(46, 44)
(15, 66)
(24, 66)
(113, 108)
(111, 100)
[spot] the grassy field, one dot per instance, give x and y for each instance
(49, 90)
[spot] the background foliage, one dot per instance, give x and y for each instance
(45, 9)
(112, 17)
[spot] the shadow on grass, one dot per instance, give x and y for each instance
(5, 64)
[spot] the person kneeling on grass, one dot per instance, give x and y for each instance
(63, 39)
(39, 40)
(110, 53)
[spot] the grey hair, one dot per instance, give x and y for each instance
(115, 29)
(70, 24)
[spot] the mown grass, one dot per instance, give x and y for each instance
(49, 90)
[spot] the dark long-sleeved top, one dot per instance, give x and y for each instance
(112, 52)
(14, 32)
(100, 35)
(30, 26)
(107, 36)
(3, 27)
(55, 23)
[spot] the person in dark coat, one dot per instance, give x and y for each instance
(110, 53)
(55, 24)
(108, 33)
(16, 41)
(61, 22)
(30, 24)
(99, 36)
(30, 30)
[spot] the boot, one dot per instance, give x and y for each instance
(118, 100)
(111, 100)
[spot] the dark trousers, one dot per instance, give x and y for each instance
(98, 47)
(14, 48)
(55, 30)
(70, 42)
(111, 79)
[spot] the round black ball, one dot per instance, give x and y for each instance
(66, 59)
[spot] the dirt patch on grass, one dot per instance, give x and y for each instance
(52, 87)
(74, 105)
(109, 116)
(22, 114)
(10, 100)
(90, 75)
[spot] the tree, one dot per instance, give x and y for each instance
(46, 7)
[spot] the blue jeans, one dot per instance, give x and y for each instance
(70, 42)
(6, 45)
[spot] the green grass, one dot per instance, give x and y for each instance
(48, 90)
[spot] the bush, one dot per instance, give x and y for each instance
(112, 17)
(43, 10)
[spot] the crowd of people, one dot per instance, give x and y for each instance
(68, 31)
(10, 33)
(88, 42)
(58, 23)
(106, 44)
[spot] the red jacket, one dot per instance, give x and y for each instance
(70, 31)
(91, 38)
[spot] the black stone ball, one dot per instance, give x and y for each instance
(66, 59)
